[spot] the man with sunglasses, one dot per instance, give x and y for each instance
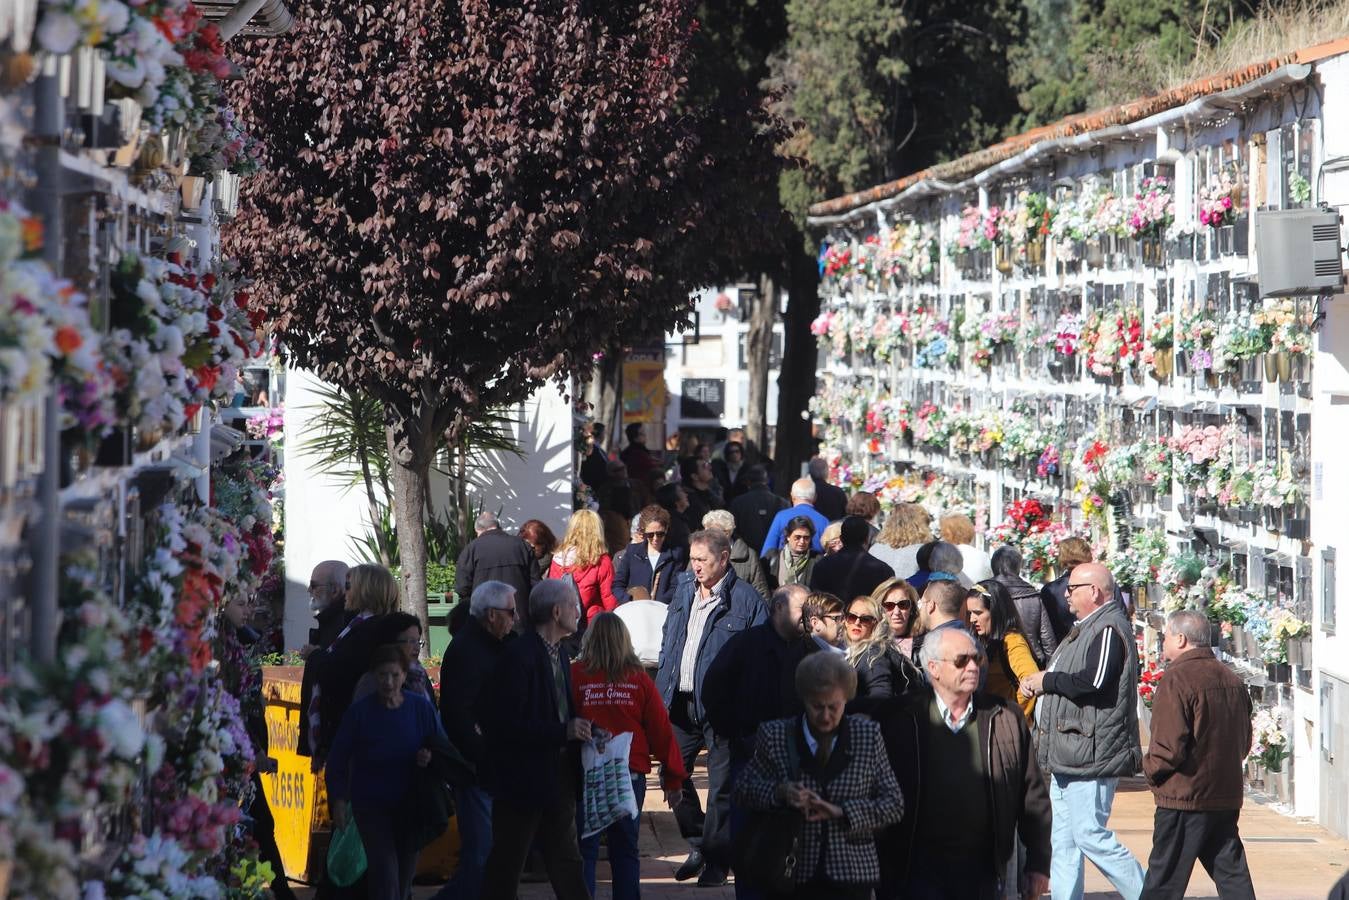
(1088, 723)
(954, 748)
(469, 662)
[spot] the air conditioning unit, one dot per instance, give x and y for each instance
(1298, 251)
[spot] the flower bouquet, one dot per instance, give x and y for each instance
(1217, 201)
(1269, 739)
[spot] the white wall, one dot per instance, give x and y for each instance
(321, 519)
(537, 486)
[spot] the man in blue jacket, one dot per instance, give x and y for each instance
(533, 736)
(707, 611)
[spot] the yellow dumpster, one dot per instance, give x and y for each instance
(297, 797)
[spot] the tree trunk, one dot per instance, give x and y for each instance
(796, 379)
(411, 464)
(758, 352)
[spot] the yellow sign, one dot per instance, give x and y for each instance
(643, 390)
(292, 789)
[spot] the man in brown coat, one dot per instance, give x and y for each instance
(1201, 733)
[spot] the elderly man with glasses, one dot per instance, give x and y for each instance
(954, 748)
(1088, 722)
(469, 662)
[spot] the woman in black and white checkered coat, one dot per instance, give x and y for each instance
(834, 770)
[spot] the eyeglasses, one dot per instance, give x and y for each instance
(854, 618)
(832, 617)
(1073, 587)
(652, 535)
(508, 610)
(979, 589)
(961, 660)
(891, 605)
(413, 642)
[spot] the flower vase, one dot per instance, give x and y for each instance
(1035, 252)
(1164, 363)
(1004, 258)
(193, 188)
(1271, 362)
(1284, 363)
(1095, 254)
(1211, 379)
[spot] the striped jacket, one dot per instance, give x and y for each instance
(857, 778)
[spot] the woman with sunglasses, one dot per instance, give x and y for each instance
(822, 621)
(882, 671)
(648, 569)
(993, 616)
(899, 602)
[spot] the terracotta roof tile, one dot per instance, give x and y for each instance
(1080, 123)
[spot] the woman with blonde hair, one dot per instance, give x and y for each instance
(371, 591)
(584, 555)
(899, 603)
(907, 527)
(882, 671)
(615, 694)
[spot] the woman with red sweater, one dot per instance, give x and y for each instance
(584, 556)
(613, 691)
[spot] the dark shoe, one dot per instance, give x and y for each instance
(713, 876)
(691, 867)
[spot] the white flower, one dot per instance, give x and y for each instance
(113, 16)
(58, 32)
(119, 726)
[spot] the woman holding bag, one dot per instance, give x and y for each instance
(830, 768)
(612, 690)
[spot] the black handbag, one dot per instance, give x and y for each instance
(766, 851)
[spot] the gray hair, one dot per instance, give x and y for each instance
(817, 467)
(1191, 623)
(719, 519)
(946, 558)
(934, 645)
(821, 671)
(637, 523)
(803, 489)
(783, 595)
(547, 594)
(486, 521)
(489, 595)
(713, 539)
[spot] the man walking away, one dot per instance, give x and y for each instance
(533, 740)
(469, 663)
(831, 501)
(1201, 733)
(755, 508)
(1088, 723)
(707, 611)
(494, 555)
(803, 500)
(852, 572)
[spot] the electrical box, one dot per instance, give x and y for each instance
(1298, 251)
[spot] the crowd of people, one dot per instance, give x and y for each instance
(881, 707)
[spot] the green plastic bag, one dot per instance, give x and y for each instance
(346, 856)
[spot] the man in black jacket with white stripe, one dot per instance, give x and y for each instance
(1088, 722)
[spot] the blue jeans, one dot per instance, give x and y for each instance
(473, 810)
(624, 860)
(1081, 809)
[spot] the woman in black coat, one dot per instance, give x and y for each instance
(635, 577)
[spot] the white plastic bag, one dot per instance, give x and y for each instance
(608, 796)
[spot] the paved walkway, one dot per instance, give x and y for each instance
(1290, 859)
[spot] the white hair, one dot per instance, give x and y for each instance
(719, 519)
(486, 521)
(934, 644)
(803, 489)
(489, 595)
(547, 594)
